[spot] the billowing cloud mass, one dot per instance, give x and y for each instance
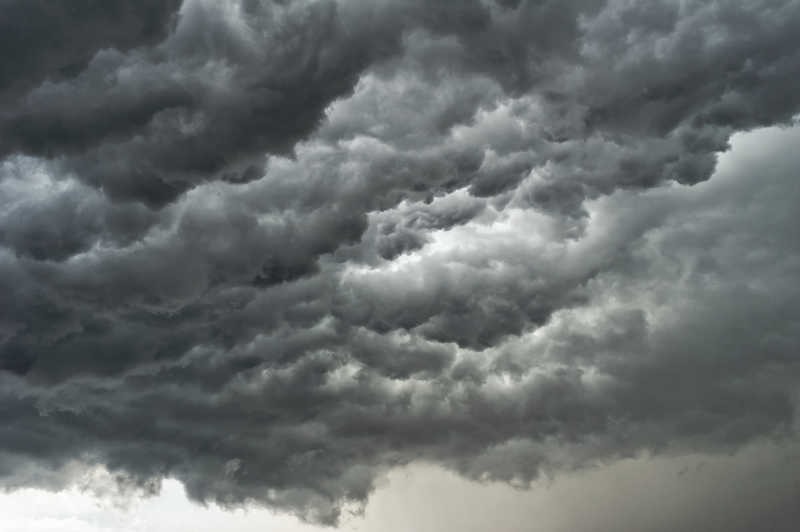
(274, 248)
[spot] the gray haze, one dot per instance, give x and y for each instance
(276, 249)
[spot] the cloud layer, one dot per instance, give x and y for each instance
(273, 249)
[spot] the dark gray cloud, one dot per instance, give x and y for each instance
(53, 41)
(276, 248)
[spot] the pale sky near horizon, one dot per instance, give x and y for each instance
(690, 492)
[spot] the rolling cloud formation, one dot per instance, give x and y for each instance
(273, 249)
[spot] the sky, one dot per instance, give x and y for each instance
(392, 264)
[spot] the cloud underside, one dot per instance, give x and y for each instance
(274, 249)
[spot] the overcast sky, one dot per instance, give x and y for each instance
(399, 265)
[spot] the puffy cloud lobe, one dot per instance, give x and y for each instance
(46, 219)
(322, 239)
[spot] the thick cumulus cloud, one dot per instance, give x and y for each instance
(275, 248)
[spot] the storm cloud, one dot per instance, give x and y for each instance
(275, 249)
